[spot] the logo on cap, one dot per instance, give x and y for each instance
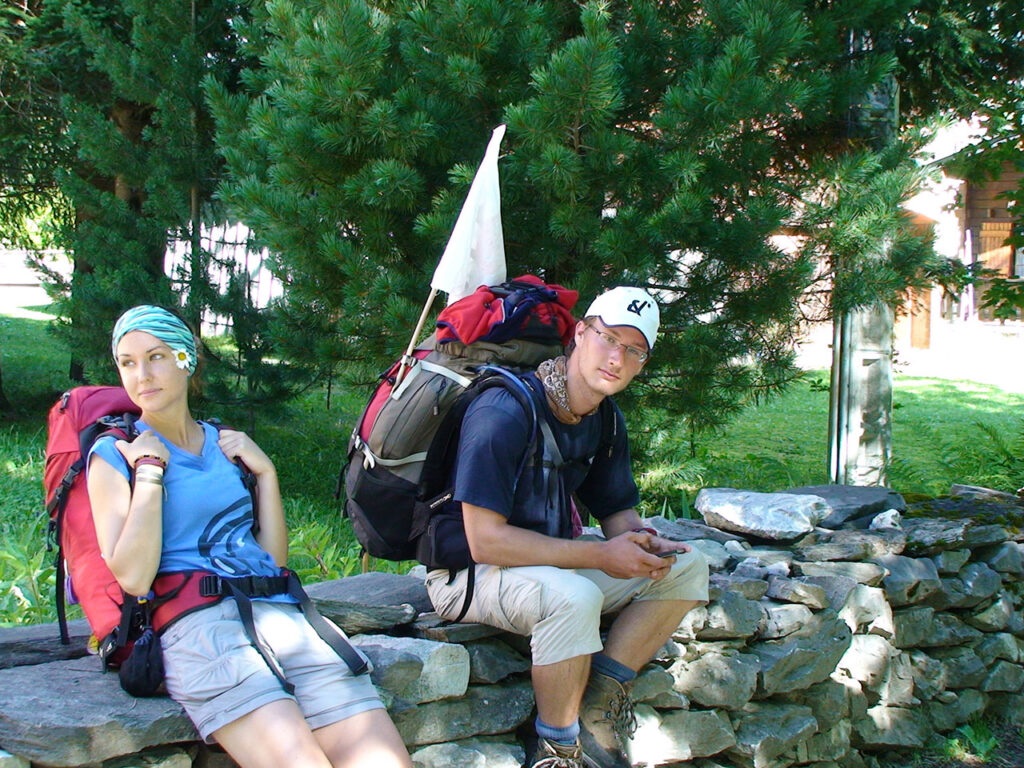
(636, 307)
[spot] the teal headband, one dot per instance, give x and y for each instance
(167, 327)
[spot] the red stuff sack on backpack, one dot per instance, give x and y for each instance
(81, 416)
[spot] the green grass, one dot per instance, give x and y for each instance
(35, 363)
(943, 432)
(974, 739)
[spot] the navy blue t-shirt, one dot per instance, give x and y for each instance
(494, 440)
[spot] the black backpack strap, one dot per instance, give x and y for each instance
(328, 633)
(244, 603)
(134, 615)
(55, 509)
(243, 590)
(435, 477)
(470, 583)
(437, 469)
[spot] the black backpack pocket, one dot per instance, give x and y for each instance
(381, 506)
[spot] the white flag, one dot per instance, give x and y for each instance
(475, 254)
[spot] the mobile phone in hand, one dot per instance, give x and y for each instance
(671, 553)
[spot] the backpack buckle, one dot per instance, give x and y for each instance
(210, 586)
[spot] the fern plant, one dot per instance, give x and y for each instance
(992, 457)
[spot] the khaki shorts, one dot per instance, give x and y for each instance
(559, 609)
(217, 676)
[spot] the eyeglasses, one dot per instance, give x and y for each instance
(633, 354)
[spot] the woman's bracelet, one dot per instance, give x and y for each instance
(148, 459)
(149, 475)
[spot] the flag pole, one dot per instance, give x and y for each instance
(407, 358)
(475, 253)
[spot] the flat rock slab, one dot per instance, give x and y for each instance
(470, 753)
(804, 658)
(852, 501)
(679, 735)
(484, 710)
(988, 511)
(371, 602)
(765, 515)
(430, 626)
(764, 731)
(850, 545)
(71, 713)
(416, 670)
(717, 680)
(980, 493)
(689, 530)
(38, 643)
(928, 536)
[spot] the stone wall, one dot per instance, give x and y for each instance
(833, 649)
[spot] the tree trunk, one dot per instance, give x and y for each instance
(860, 407)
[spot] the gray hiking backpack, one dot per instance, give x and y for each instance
(401, 447)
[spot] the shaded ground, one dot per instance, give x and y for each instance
(1008, 753)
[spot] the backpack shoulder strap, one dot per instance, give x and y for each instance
(248, 477)
(122, 427)
(440, 458)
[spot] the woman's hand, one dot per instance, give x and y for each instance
(273, 533)
(238, 445)
(146, 444)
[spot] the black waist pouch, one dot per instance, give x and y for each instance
(142, 673)
(444, 543)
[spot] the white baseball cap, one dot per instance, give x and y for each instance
(625, 305)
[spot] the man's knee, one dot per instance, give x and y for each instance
(575, 598)
(571, 623)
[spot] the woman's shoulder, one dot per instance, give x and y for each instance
(105, 448)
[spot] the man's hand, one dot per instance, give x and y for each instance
(631, 555)
(658, 546)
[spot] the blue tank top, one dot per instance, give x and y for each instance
(207, 511)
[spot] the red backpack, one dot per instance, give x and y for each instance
(119, 621)
(81, 416)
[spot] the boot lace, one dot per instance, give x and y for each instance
(559, 756)
(622, 714)
(558, 761)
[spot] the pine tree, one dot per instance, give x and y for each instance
(137, 163)
(654, 143)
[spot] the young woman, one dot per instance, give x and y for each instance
(173, 501)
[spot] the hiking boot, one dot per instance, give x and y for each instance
(551, 754)
(607, 721)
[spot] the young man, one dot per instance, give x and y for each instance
(532, 577)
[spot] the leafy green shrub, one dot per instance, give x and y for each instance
(27, 577)
(974, 740)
